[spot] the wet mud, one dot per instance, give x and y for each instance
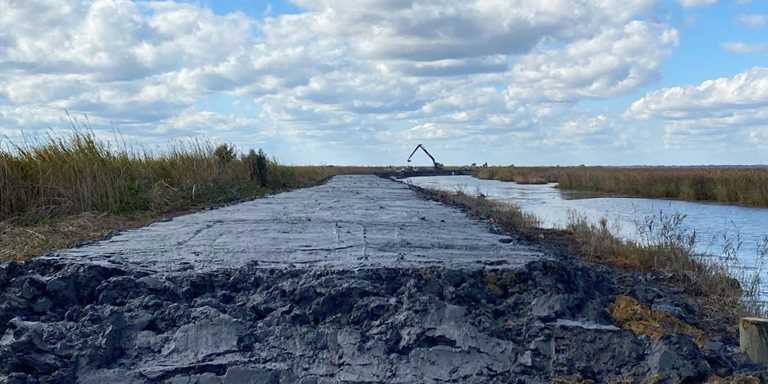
(452, 303)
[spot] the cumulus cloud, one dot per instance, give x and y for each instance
(113, 59)
(723, 108)
(611, 62)
(342, 71)
(544, 56)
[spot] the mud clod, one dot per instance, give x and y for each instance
(294, 326)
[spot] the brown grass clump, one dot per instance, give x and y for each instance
(643, 321)
(667, 246)
(23, 242)
(507, 216)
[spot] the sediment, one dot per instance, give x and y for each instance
(385, 306)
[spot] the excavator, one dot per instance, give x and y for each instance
(435, 163)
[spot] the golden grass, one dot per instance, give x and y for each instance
(507, 216)
(746, 186)
(21, 242)
(77, 174)
(643, 321)
(63, 191)
(669, 249)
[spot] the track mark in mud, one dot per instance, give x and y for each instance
(311, 249)
(197, 232)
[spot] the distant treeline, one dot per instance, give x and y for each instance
(735, 185)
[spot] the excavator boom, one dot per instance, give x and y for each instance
(434, 162)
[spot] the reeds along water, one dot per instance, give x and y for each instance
(79, 173)
(668, 245)
(747, 186)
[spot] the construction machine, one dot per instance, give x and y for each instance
(434, 162)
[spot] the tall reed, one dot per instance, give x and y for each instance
(80, 173)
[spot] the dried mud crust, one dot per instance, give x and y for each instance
(65, 322)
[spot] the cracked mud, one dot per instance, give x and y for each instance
(356, 281)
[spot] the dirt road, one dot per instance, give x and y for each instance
(348, 223)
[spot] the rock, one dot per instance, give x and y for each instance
(110, 376)
(526, 359)
(550, 306)
(713, 347)
(753, 338)
(18, 378)
(206, 378)
(62, 290)
(676, 358)
(670, 310)
(31, 287)
(210, 336)
(240, 375)
(41, 305)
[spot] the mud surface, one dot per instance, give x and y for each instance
(355, 281)
(350, 222)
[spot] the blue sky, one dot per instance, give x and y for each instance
(363, 81)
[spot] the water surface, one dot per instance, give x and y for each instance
(715, 224)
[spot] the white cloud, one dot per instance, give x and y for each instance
(753, 20)
(697, 3)
(343, 71)
(721, 109)
(546, 53)
(612, 62)
(745, 48)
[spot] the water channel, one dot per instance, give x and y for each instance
(716, 225)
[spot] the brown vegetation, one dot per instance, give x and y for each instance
(667, 248)
(64, 191)
(747, 186)
(643, 321)
(507, 216)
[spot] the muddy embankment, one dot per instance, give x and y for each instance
(355, 281)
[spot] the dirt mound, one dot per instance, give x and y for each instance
(64, 322)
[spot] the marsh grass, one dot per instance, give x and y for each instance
(78, 173)
(746, 186)
(507, 216)
(665, 246)
(63, 190)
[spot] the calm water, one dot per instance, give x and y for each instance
(552, 206)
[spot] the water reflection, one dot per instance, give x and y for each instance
(712, 222)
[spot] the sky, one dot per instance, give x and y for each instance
(524, 82)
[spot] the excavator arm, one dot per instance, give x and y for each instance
(434, 162)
